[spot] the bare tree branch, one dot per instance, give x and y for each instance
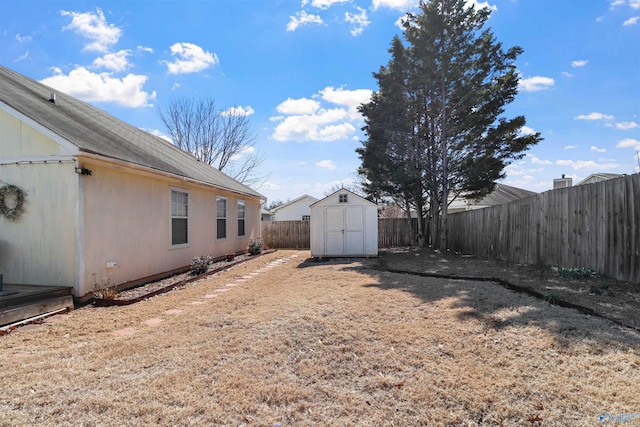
(222, 139)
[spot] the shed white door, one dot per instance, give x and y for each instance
(344, 230)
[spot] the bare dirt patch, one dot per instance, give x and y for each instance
(339, 342)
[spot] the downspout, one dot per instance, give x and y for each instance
(79, 237)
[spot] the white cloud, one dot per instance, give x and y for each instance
(303, 18)
(320, 126)
(481, 5)
(629, 143)
(587, 164)
(579, 63)
(298, 106)
(405, 5)
(567, 74)
(631, 21)
(537, 161)
(102, 87)
(526, 130)
(616, 3)
(536, 83)
(270, 186)
(307, 119)
(326, 164)
(359, 21)
(94, 27)
(245, 151)
(626, 125)
(570, 147)
(190, 58)
(175, 86)
(518, 170)
(597, 149)
(324, 4)
(394, 4)
(348, 98)
(238, 111)
(594, 116)
(160, 134)
(116, 61)
(23, 39)
(145, 49)
(23, 57)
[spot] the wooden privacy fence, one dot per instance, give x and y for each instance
(392, 232)
(396, 232)
(596, 226)
(286, 234)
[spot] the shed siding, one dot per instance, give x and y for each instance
(344, 229)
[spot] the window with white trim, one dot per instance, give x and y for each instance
(241, 218)
(306, 217)
(179, 217)
(342, 198)
(221, 218)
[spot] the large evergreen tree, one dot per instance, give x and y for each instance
(435, 128)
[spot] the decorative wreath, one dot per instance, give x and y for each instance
(11, 202)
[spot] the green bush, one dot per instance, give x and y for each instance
(573, 273)
(255, 246)
(200, 264)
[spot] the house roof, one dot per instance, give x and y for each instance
(93, 131)
(503, 194)
(291, 202)
(596, 177)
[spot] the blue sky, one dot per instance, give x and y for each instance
(299, 69)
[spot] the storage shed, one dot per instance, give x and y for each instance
(344, 224)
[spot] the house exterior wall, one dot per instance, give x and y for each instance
(295, 210)
(330, 217)
(20, 140)
(127, 220)
(40, 246)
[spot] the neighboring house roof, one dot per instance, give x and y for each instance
(504, 194)
(96, 132)
(294, 201)
(501, 194)
(597, 177)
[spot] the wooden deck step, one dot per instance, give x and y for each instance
(21, 302)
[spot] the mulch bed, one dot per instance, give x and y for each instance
(148, 290)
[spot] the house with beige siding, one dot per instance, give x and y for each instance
(103, 201)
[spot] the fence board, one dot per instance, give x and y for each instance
(594, 225)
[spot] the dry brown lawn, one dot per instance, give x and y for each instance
(304, 343)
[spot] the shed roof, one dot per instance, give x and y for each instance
(342, 191)
(94, 131)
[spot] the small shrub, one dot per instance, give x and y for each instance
(200, 264)
(573, 273)
(255, 246)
